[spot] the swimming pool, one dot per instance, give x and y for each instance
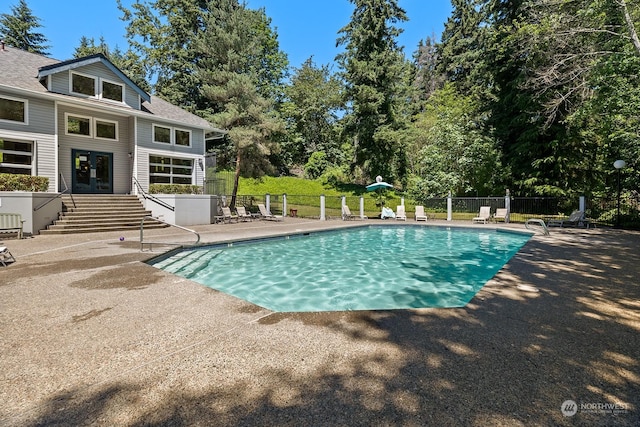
(363, 268)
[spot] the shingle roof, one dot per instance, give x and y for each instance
(19, 70)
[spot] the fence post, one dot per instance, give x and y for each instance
(507, 204)
(582, 204)
(284, 205)
(343, 202)
(322, 205)
(449, 207)
(402, 201)
(267, 202)
(361, 207)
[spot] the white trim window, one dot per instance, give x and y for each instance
(82, 84)
(106, 129)
(14, 110)
(16, 157)
(111, 91)
(170, 170)
(78, 125)
(173, 136)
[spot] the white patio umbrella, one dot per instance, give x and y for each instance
(379, 185)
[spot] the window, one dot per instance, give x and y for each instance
(161, 134)
(77, 125)
(170, 170)
(83, 85)
(13, 110)
(183, 137)
(106, 129)
(112, 91)
(16, 157)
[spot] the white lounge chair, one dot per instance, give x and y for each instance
(484, 215)
(400, 213)
(243, 215)
(420, 215)
(266, 214)
(501, 213)
(346, 213)
(227, 215)
(5, 256)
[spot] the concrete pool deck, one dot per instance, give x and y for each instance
(91, 335)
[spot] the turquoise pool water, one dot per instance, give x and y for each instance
(364, 268)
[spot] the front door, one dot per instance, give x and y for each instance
(92, 172)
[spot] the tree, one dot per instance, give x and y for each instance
(17, 29)
(231, 51)
(373, 67)
(313, 101)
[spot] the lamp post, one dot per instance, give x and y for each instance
(618, 164)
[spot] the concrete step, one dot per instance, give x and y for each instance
(147, 226)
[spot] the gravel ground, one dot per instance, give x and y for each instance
(91, 335)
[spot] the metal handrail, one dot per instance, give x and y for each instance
(49, 200)
(142, 242)
(154, 199)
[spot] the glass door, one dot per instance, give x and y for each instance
(92, 172)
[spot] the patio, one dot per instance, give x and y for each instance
(90, 335)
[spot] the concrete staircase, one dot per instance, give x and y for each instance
(93, 213)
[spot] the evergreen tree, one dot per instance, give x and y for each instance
(373, 67)
(17, 29)
(231, 51)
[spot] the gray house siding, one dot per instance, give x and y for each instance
(40, 116)
(120, 148)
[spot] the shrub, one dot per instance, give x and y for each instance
(175, 189)
(13, 182)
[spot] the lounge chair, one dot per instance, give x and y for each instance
(266, 214)
(243, 215)
(501, 213)
(484, 215)
(400, 214)
(576, 219)
(420, 215)
(227, 215)
(5, 256)
(346, 213)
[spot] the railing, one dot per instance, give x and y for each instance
(142, 242)
(154, 199)
(51, 199)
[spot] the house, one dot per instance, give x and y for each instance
(90, 129)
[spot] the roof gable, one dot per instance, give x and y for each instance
(87, 60)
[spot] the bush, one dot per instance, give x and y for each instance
(175, 189)
(13, 182)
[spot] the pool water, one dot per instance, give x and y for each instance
(364, 268)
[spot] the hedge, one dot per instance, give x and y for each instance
(175, 189)
(14, 182)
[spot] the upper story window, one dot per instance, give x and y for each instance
(91, 127)
(78, 125)
(106, 129)
(83, 85)
(112, 91)
(13, 110)
(167, 135)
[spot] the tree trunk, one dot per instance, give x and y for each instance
(632, 28)
(236, 181)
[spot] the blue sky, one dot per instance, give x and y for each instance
(305, 27)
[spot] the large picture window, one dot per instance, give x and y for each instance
(170, 170)
(83, 85)
(13, 110)
(16, 157)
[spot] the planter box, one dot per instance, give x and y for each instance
(190, 209)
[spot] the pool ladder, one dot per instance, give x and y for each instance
(142, 242)
(543, 227)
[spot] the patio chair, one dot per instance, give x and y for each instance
(420, 215)
(484, 215)
(576, 219)
(400, 214)
(266, 214)
(227, 215)
(501, 213)
(243, 215)
(346, 213)
(5, 256)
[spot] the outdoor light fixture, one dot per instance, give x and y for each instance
(619, 164)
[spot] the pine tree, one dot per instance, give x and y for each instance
(373, 67)
(17, 29)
